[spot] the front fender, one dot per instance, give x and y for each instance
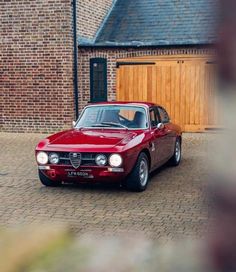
(132, 151)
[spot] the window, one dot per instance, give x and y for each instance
(98, 80)
(153, 118)
(157, 115)
(113, 116)
(164, 116)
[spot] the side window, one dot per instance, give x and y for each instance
(153, 118)
(164, 115)
(98, 80)
(157, 115)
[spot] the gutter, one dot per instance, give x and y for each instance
(75, 49)
(141, 44)
(122, 46)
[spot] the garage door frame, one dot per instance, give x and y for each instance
(150, 61)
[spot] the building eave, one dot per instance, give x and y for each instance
(146, 45)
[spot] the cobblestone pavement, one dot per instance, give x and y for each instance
(171, 207)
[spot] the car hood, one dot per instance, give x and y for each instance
(91, 140)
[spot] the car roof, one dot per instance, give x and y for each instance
(131, 103)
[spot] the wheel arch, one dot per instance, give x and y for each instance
(180, 138)
(146, 151)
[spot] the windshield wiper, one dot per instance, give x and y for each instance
(100, 125)
(111, 124)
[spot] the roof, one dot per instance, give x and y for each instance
(158, 23)
(131, 103)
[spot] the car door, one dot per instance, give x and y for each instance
(156, 145)
(168, 135)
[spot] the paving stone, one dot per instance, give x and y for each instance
(173, 205)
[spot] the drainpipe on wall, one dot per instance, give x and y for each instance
(76, 100)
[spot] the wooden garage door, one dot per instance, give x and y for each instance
(186, 88)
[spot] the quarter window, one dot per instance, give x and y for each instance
(98, 80)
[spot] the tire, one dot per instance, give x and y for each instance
(48, 182)
(176, 158)
(138, 179)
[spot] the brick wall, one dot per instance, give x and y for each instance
(91, 14)
(36, 57)
(112, 55)
(36, 61)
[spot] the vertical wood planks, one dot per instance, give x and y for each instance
(185, 88)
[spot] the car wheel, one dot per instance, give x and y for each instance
(137, 181)
(176, 158)
(48, 182)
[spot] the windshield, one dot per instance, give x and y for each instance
(113, 116)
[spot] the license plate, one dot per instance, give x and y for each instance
(78, 174)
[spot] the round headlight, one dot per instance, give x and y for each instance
(42, 158)
(54, 158)
(101, 160)
(115, 160)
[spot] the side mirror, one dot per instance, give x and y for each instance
(160, 126)
(73, 124)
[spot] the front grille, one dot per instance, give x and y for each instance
(87, 159)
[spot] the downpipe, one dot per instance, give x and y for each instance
(75, 49)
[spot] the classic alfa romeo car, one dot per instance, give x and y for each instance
(111, 142)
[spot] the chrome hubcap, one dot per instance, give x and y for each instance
(177, 151)
(143, 172)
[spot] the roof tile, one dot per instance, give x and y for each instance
(160, 22)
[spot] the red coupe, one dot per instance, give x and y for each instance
(111, 142)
